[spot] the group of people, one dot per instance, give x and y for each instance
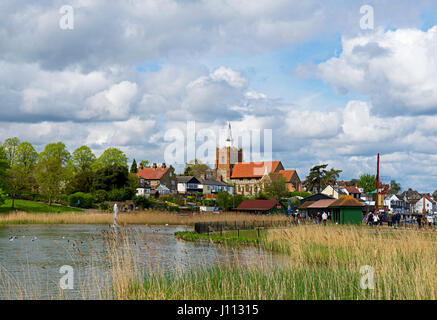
(374, 219)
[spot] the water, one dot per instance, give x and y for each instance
(31, 269)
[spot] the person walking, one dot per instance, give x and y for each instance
(324, 218)
(430, 220)
(419, 220)
(375, 219)
(394, 219)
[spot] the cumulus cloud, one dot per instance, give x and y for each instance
(396, 69)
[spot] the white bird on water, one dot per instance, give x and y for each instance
(34, 238)
(12, 238)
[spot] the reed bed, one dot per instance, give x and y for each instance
(317, 262)
(136, 217)
(323, 263)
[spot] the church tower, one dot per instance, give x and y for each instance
(227, 157)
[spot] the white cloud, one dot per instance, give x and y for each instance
(396, 69)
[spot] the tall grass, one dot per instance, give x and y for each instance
(140, 217)
(324, 263)
(316, 263)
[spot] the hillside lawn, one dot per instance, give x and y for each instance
(34, 206)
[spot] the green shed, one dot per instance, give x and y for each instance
(347, 210)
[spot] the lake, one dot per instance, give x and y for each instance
(31, 257)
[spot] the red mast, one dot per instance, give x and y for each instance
(377, 186)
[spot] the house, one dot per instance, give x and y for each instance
(149, 179)
(250, 177)
(353, 191)
(347, 210)
(210, 187)
(425, 204)
(334, 191)
(261, 206)
(188, 184)
(341, 189)
(396, 204)
(292, 180)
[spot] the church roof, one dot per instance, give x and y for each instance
(254, 169)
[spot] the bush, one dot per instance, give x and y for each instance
(142, 201)
(117, 195)
(103, 206)
(100, 196)
(86, 200)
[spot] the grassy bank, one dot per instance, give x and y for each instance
(229, 237)
(34, 207)
(136, 217)
(324, 263)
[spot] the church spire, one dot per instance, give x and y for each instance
(229, 139)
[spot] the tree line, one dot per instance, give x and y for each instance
(55, 174)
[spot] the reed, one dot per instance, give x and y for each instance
(324, 263)
(136, 217)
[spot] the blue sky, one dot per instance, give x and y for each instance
(127, 73)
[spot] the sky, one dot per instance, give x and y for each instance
(126, 73)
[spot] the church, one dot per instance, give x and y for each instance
(250, 178)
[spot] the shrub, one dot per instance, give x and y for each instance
(142, 201)
(86, 200)
(117, 195)
(100, 196)
(103, 206)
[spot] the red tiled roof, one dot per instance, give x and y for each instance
(254, 169)
(324, 203)
(352, 189)
(257, 204)
(152, 174)
(287, 174)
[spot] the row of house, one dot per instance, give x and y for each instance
(408, 202)
(230, 174)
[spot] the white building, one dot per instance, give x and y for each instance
(430, 205)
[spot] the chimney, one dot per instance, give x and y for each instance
(154, 166)
(163, 166)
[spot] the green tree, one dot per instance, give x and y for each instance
(50, 175)
(83, 159)
(4, 165)
(224, 200)
(81, 182)
(10, 147)
(434, 195)
(367, 182)
(18, 180)
(111, 157)
(145, 163)
(319, 178)
(55, 151)
(110, 177)
(276, 188)
(26, 156)
(3, 196)
(395, 187)
(196, 168)
(134, 168)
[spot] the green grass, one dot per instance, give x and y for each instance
(231, 282)
(34, 206)
(245, 237)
